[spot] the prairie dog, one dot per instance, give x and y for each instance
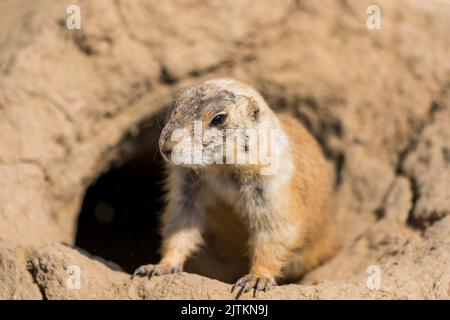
(287, 213)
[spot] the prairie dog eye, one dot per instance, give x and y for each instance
(219, 119)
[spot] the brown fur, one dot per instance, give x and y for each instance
(278, 226)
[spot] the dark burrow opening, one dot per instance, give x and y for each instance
(119, 218)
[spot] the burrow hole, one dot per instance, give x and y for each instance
(119, 218)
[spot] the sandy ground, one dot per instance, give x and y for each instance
(377, 100)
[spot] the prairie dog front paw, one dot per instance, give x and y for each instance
(151, 270)
(251, 281)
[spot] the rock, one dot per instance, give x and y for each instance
(367, 179)
(15, 281)
(64, 273)
(429, 169)
(398, 202)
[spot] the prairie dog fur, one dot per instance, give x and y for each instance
(287, 215)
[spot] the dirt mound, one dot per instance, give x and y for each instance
(74, 104)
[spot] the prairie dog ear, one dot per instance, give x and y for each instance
(248, 104)
(252, 108)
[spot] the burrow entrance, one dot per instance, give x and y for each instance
(119, 218)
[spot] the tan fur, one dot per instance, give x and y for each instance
(283, 233)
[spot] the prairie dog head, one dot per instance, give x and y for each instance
(206, 118)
